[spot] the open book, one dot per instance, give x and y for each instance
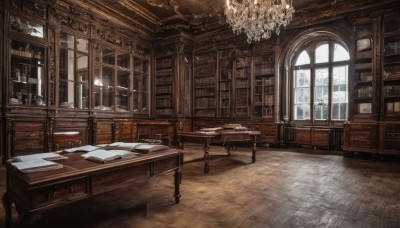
(86, 148)
(36, 165)
(46, 156)
(145, 148)
(124, 145)
(211, 129)
(138, 147)
(103, 156)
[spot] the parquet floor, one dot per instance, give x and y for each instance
(283, 188)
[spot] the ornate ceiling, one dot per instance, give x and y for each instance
(199, 16)
(193, 15)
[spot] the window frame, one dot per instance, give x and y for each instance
(310, 48)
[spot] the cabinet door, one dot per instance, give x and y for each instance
(27, 80)
(73, 72)
(390, 138)
(321, 137)
(303, 136)
(125, 131)
(361, 137)
(104, 132)
(26, 137)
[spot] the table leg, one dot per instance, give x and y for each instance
(7, 208)
(228, 149)
(177, 182)
(206, 156)
(253, 149)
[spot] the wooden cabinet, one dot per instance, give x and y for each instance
(314, 136)
(376, 91)
(389, 133)
(361, 137)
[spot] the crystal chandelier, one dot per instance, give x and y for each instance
(258, 18)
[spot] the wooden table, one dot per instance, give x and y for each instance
(224, 137)
(33, 193)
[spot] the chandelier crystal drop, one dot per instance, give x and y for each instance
(258, 18)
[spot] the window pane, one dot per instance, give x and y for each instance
(339, 53)
(26, 27)
(321, 112)
(302, 94)
(123, 91)
(108, 56)
(104, 91)
(123, 60)
(321, 76)
(322, 53)
(303, 59)
(66, 40)
(321, 93)
(82, 45)
(339, 92)
(123, 101)
(303, 78)
(302, 112)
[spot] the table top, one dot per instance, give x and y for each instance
(214, 134)
(76, 166)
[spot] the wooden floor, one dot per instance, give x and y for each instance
(284, 188)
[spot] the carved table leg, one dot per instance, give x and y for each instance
(177, 182)
(228, 149)
(253, 149)
(26, 218)
(8, 210)
(206, 156)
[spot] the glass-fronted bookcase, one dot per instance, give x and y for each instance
(27, 81)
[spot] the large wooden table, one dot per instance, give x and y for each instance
(225, 137)
(79, 179)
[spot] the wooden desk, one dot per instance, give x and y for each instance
(79, 179)
(226, 137)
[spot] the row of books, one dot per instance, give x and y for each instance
(99, 153)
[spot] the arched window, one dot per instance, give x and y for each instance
(320, 78)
